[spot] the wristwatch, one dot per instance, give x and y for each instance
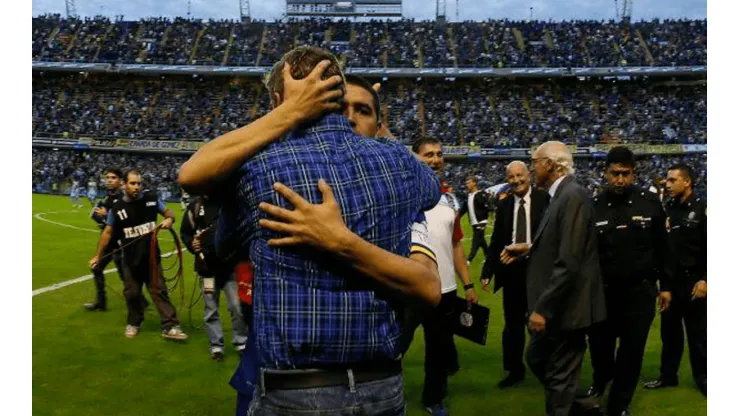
(469, 286)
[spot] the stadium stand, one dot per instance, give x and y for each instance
(517, 113)
(401, 43)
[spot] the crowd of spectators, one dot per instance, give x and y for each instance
(518, 113)
(397, 43)
(54, 170)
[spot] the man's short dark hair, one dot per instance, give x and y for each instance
(686, 171)
(129, 173)
(472, 178)
(364, 84)
(418, 144)
(620, 155)
(114, 171)
(302, 61)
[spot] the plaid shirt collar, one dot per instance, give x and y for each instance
(328, 122)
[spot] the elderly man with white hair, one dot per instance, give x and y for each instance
(565, 294)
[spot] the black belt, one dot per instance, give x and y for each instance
(327, 377)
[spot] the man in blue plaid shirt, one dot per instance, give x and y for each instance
(332, 325)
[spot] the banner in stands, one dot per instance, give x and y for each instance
(694, 148)
(378, 72)
(643, 148)
(162, 145)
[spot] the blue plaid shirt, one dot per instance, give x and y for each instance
(308, 307)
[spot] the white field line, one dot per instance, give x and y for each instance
(60, 285)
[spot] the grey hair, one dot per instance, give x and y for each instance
(515, 163)
(559, 153)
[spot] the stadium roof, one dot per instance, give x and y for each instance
(417, 9)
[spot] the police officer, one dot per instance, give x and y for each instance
(632, 252)
(131, 220)
(687, 226)
(197, 232)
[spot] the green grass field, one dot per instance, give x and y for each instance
(83, 364)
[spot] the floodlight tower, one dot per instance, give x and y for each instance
(71, 9)
(441, 9)
(243, 8)
(625, 11)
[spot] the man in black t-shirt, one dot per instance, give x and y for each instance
(99, 215)
(130, 221)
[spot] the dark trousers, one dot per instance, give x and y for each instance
(479, 241)
(693, 315)
(440, 354)
(133, 280)
(555, 358)
(99, 276)
(630, 313)
(515, 324)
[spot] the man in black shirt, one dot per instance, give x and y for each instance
(633, 251)
(476, 207)
(687, 237)
(197, 233)
(131, 221)
(99, 215)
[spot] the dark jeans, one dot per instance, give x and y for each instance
(630, 313)
(440, 355)
(479, 241)
(99, 276)
(693, 315)
(375, 398)
(555, 358)
(133, 280)
(515, 325)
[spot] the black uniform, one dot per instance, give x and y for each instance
(133, 221)
(480, 212)
(202, 214)
(633, 247)
(98, 276)
(687, 223)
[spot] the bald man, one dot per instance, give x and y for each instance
(565, 294)
(517, 220)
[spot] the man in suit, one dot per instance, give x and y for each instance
(565, 294)
(517, 220)
(476, 206)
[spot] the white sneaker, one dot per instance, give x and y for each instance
(241, 348)
(175, 333)
(131, 331)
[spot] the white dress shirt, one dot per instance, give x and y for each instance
(527, 209)
(554, 187)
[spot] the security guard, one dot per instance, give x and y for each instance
(687, 225)
(131, 220)
(632, 251)
(99, 215)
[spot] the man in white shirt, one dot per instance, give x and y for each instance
(445, 234)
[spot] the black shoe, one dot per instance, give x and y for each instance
(622, 412)
(511, 380)
(217, 355)
(596, 392)
(659, 383)
(95, 307)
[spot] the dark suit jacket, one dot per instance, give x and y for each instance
(502, 230)
(480, 205)
(563, 275)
